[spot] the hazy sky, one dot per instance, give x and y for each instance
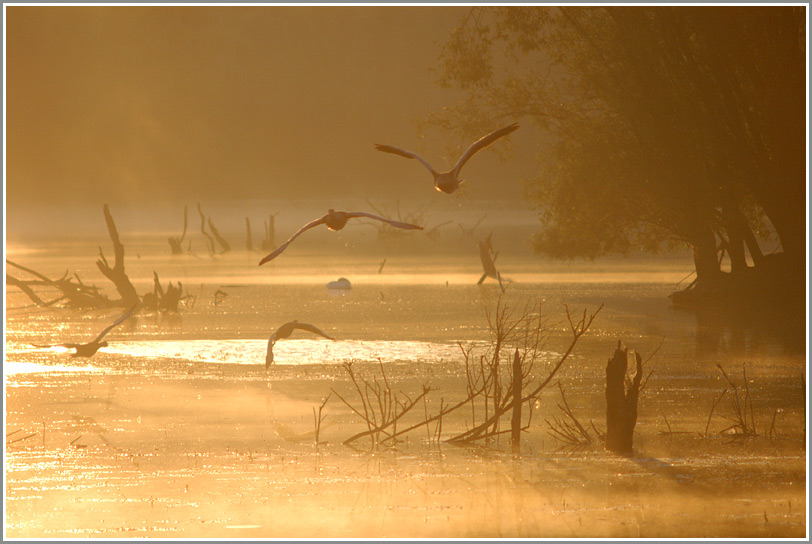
(181, 104)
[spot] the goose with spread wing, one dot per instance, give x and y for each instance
(90, 349)
(334, 221)
(448, 182)
(285, 331)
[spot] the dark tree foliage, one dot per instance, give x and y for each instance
(663, 125)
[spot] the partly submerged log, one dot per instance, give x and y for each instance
(621, 401)
(75, 294)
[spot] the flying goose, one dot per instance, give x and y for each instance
(334, 221)
(448, 182)
(89, 349)
(284, 332)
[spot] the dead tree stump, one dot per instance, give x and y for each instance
(621, 402)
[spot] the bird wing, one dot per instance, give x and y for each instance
(483, 142)
(310, 328)
(404, 153)
(397, 224)
(280, 249)
(118, 321)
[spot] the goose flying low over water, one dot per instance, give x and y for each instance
(89, 349)
(334, 221)
(448, 182)
(285, 331)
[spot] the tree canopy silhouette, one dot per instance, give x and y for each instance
(662, 125)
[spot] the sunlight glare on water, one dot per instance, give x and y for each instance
(289, 352)
(21, 367)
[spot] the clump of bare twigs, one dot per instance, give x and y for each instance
(499, 381)
(569, 430)
(318, 418)
(494, 387)
(381, 407)
(743, 418)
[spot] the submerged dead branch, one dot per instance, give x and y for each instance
(116, 273)
(175, 243)
(77, 294)
(220, 240)
(203, 229)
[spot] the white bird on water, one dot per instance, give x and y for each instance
(335, 221)
(285, 331)
(448, 182)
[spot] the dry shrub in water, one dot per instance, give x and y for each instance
(497, 384)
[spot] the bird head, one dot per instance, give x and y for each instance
(103, 344)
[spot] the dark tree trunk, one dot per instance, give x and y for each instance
(707, 266)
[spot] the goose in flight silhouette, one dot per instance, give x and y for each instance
(334, 221)
(90, 349)
(448, 182)
(284, 332)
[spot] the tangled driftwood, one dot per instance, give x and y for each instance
(73, 293)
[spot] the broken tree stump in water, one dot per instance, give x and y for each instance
(621, 401)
